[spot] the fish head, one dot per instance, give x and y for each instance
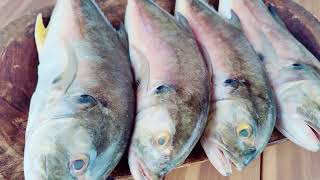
(232, 136)
(165, 132)
(298, 92)
(71, 141)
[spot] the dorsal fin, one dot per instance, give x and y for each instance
(122, 34)
(235, 20)
(141, 69)
(183, 22)
(226, 11)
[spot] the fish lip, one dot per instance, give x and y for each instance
(143, 172)
(297, 141)
(229, 156)
(315, 130)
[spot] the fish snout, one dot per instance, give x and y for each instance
(139, 169)
(301, 127)
(249, 152)
(249, 155)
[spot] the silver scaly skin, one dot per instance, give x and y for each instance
(291, 68)
(173, 92)
(243, 110)
(82, 111)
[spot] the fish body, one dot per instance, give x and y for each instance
(301, 23)
(82, 110)
(242, 116)
(173, 89)
(291, 68)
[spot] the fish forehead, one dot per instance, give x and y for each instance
(98, 51)
(276, 35)
(152, 16)
(167, 45)
(169, 48)
(229, 51)
(232, 57)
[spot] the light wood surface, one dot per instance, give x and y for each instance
(289, 162)
(311, 5)
(205, 171)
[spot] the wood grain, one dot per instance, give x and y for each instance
(205, 171)
(289, 162)
(311, 5)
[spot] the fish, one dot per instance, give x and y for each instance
(302, 24)
(291, 68)
(243, 111)
(82, 111)
(173, 89)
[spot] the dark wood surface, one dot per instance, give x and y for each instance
(18, 77)
(302, 24)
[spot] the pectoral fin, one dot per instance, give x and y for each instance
(235, 20)
(40, 32)
(141, 69)
(122, 33)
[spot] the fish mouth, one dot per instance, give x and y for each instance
(311, 144)
(231, 158)
(305, 134)
(139, 170)
(223, 159)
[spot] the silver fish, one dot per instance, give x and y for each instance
(82, 111)
(173, 92)
(292, 70)
(243, 111)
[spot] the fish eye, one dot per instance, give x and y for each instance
(79, 165)
(162, 140)
(244, 131)
(228, 81)
(86, 101)
(232, 82)
(297, 66)
(163, 89)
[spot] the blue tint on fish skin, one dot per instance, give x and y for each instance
(297, 66)
(163, 89)
(86, 99)
(232, 82)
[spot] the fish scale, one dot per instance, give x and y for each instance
(82, 111)
(242, 100)
(292, 70)
(173, 93)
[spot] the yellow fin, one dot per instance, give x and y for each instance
(40, 32)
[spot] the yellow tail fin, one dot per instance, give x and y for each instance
(40, 32)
